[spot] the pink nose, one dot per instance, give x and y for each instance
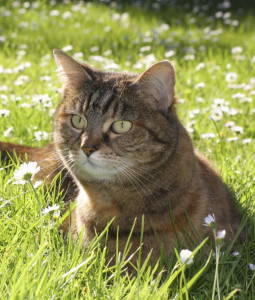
(88, 150)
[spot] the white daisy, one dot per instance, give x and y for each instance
(50, 208)
(252, 267)
(237, 50)
(25, 172)
(210, 221)
(185, 257)
(37, 183)
(8, 132)
(246, 141)
(208, 135)
(4, 112)
(231, 77)
(221, 234)
(56, 214)
(232, 139)
(41, 135)
(237, 129)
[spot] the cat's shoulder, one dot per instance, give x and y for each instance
(206, 167)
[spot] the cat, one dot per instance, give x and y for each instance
(128, 158)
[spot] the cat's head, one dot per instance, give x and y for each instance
(114, 126)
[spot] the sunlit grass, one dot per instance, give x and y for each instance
(214, 58)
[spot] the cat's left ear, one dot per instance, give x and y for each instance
(71, 72)
(157, 85)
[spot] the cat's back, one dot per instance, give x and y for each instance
(220, 199)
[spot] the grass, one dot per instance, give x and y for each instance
(214, 59)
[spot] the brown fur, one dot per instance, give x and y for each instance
(151, 174)
(47, 159)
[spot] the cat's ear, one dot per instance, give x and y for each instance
(157, 85)
(71, 72)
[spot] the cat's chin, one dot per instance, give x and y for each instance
(89, 168)
(99, 172)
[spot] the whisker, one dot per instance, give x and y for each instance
(144, 171)
(123, 171)
(144, 186)
(137, 181)
(116, 172)
(136, 171)
(153, 203)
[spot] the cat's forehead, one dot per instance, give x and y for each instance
(117, 81)
(111, 93)
(111, 98)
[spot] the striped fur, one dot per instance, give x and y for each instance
(150, 175)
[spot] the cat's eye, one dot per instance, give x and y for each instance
(121, 126)
(78, 122)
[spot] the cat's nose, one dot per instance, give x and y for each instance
(88, 150)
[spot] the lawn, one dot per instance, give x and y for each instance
(211, 44)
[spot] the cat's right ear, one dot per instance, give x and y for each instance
(71, 72)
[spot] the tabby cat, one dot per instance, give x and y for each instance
(122, 145)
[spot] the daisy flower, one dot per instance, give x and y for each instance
(221, 234)
(25, 172)
(37, 183)
(220, 237)
(231, 77)
(50, 208)
(185, 257)
(4, 112)
(237, 50)
(210, 221)
(56, 214)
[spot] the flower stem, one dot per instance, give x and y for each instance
(216, 275)
(36, 196)
(40, 209)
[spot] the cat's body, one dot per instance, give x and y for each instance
(119, 137)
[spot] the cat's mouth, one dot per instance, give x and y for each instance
(92, 167)
(95, 163)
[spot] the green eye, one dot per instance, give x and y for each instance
(78, 122)
(121, 126)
